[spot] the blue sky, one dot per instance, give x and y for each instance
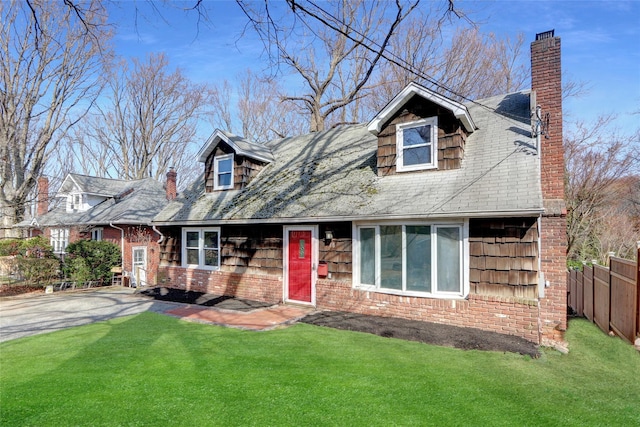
(600, 45)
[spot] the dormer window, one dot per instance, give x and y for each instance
(417, 145)
(75, 202)
(223, 170)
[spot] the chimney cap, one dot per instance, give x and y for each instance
(545, 35)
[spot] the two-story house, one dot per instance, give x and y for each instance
(119, 211)
(435, 210)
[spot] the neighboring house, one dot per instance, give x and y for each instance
(118, 211)
(435, 210)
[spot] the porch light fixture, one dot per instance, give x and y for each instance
(328, 237)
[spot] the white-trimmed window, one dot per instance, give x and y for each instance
(223, 172)
(75, 202)
(413, 259)
(59, 239)
(201, 248)
(417, 145)
(96, 233)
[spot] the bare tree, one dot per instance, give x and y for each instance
(49, 69)
(343, 44)
(147, 124)
(262, 114)
(601, 179)
(470, 66)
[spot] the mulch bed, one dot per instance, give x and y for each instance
(13, 290)
(426, 332)
(413, 330)
(201, 298)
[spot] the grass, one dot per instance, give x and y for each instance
(151, 369)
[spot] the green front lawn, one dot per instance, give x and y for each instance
(152, 369)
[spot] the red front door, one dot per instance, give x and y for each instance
(299, 278)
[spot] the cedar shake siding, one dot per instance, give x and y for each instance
(503, 257)
(170, 249)
(254, 249)
(244, 168)
(451, 136)
(250, 249)
(337, 253)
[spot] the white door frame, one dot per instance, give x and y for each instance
(133, 264)
(314, 261)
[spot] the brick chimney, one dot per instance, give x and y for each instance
(171, 184)
(43, 196)
(546, 84)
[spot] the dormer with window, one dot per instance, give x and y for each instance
(81, 193)
(420, 130)
(231, 162)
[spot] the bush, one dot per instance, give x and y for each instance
(38, 271)
(36, 247)
(79, 270)
(34, 262)
(97, 256)
(9, 247)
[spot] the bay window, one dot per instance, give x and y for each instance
(201, 248)
(414, 259)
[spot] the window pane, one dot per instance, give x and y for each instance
(192, 256)
(418, 258)
(367, 256)
(211, 257)
(192, 239)
(416, 136)
(211, 239)
(224, 180)
(391, 256)
(224, 165)
(416, 156)
(448, 245)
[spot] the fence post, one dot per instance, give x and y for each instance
(637, 341)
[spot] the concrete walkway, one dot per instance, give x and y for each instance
(26, 315)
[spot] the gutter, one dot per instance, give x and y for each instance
(307, 220)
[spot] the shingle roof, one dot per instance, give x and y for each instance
(138, 207)
(92, 185)
(240, 145)
(331, 175)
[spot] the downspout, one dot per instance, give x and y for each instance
(121, 243)
(161, 239)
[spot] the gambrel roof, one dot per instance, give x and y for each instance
(331, 175)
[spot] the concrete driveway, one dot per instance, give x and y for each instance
(30, 315)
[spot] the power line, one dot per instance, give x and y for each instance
(388, 55)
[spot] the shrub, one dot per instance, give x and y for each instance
(9, 247)
(38, 271)
(36, 247)
(35, 262)
(79, 270)
(98, 256)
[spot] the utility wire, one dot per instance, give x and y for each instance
(389, 56)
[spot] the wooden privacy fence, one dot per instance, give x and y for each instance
(610, 297)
